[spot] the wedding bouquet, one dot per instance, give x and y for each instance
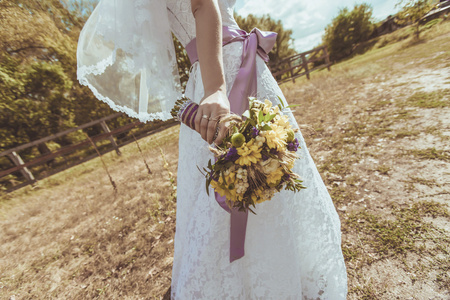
(256, 158)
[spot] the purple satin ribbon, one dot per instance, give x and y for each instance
(256, 42)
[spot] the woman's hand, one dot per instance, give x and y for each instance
(215, 104)
(211, 109)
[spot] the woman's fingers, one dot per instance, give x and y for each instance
(206, 122)
(211, 108)
(211, 130)
(207, 127)
(223, 130)
(204, 127)
(201, 121)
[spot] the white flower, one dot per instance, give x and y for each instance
(275, 110)
(269, 166)
(260, 139)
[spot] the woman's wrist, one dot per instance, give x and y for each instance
(219, 89)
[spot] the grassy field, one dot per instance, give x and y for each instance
(378, 128)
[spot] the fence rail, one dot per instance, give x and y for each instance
(288, 69)
(29, 176)
(300, 64)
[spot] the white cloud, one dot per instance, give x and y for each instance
(307, 18)
(308, 42)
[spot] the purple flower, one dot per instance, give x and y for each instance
(255, 132)
(266, 157)
(232, 154)
(293, 146)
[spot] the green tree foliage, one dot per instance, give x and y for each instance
(284, 45)
(347, 30)
(33, 102)
(183, 62)
(80, 10)
(39, 91)
(413, 10)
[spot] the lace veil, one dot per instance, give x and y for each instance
(127, 58)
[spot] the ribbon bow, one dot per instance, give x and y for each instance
(245, 86)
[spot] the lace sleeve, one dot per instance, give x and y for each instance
(126, 57)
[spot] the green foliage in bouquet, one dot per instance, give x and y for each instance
(256, 159)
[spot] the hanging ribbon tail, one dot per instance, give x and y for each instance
(237, 233)
(245, 85)
(222, 200)
(238, 226)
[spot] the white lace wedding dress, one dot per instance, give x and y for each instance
(293, 244)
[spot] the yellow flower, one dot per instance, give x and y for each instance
(249, 153)
(283, 121)
(290, 163)
(258, 196)
(276, 109)
(267, 106)
(228, 190)
(274, 177)
(261, 195)
(275, 138)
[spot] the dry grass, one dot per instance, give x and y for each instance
(380, 139)
(73, 237)
(382, 146)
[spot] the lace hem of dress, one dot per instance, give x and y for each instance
(100, 68)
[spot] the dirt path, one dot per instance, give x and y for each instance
(382, 144)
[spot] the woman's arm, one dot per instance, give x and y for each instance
(209, 46)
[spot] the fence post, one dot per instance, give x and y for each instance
(18, 161)
(111, 138)
(292, 71)
(327, 58)
(305, 65)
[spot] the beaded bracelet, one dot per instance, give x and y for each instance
(185, 112)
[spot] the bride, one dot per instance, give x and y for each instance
(293, 244)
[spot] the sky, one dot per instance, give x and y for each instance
(308, 18)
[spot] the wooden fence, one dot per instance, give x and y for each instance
(28, 176)
(300, 64)
(36, 168)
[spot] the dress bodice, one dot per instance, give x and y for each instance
(182, 21)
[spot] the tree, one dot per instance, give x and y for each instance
(80, 9)
(347, 30)
(284, 45)
(39, 92)
(413, 10)
(183, 62)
